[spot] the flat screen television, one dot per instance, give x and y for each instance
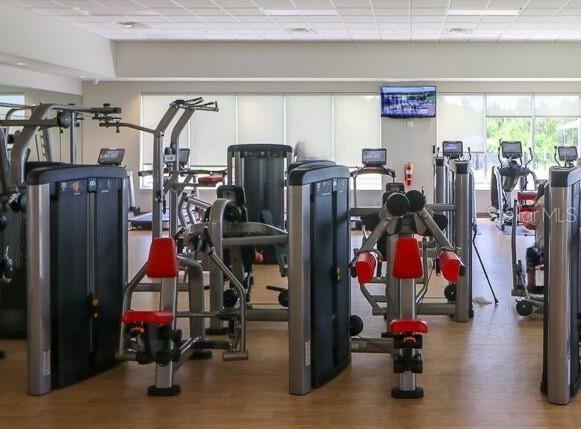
(408, 101)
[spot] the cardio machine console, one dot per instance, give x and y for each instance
(567, 153)
(452, 149)
(374, 157)
(511, 149)
(111, 156)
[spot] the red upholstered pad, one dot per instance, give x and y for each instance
(210, 180)
(407, 262)
(365, 267)
(526, 195)
(152, 317)
(451, 265)
(408, 326)
(162, 261)
(527, 217)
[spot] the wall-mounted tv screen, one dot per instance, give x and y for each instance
(408, 101)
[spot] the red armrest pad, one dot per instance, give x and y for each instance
(210, 180)
(451, 265)
(152, 317)
(365, 267)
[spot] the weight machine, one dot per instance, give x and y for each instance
(75, 251)
(401, 217)
(561, 377)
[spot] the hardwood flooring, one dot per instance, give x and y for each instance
(480, 374)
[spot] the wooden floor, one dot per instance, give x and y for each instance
(484, 373)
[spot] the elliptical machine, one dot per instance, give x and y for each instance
(512, 170)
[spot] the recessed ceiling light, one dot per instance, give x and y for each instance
(128, 24)
(300, 12)
(83, 77)
(459, 30)
(481, 12)
(21, 64)
(301, 30)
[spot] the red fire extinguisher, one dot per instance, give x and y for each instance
(408, 173)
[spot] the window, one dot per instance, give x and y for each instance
(261, 119)
(309, 120)
(13, 99)
(212, 132)
(461, 117)
(357, 126)
(509, 105)
(539, 121)
(551, 132)
(153, 107)
(330, 126)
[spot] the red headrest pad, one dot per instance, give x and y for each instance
(162, 261)
(407, 262)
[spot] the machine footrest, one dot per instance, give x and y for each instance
(164, 391)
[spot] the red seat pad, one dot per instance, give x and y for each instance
(408, 326)
(365, 267)
(153, 317)
(163, 259)
(450, 264)
(210, 180)
(407, 262)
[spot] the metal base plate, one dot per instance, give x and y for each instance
(164, 391)
(397, 393)
(201, 355)
(216, 331)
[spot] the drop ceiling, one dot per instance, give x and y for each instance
(346, 20)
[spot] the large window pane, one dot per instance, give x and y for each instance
(309, 120)
(13, 99)
(557, 105)
(516, 129)
(509, 105)
(261, 119)
(357, 126)
(461, 117)
(497, 129)
(551, 132)
(212, 132)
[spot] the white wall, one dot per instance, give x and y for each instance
(374, 61)
(49, 45)
(411, 140)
